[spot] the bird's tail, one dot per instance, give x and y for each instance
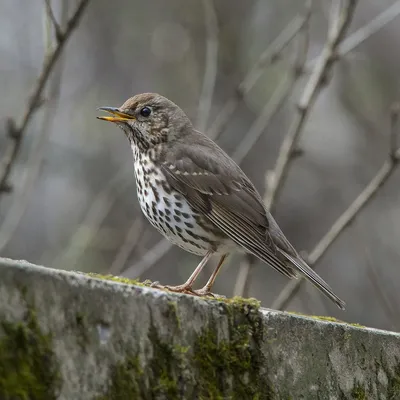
(313, 277)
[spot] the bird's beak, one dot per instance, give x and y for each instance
(118, 116)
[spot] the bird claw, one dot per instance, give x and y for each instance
(204, 292)
(180, 289)
(176, 289)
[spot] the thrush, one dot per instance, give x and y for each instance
(195, 195)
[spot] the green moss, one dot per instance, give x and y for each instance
(327, 318)
(233, 368)
(358, 393)
(241, 302)
(81, 327)
(119, 279)
(164, 367)
(29, 369)
(126, 381)
(355, 324)
(158, 380)
(172, 313)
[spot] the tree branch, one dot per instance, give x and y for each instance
(267, 58)
(16, 131)
(365, 32)
(348, 216)
(36, 155)
(98, 211)
(56, 26)
(211, 65)
(135, 232)
(283, 90)
(319, 77)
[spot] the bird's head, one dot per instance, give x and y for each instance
(148, 119)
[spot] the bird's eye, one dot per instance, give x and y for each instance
(145, 112)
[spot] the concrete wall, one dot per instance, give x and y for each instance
(71, 336)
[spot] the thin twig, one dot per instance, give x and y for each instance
(318, 79)
(375, 277)
(17, 130)
(365, 32)
(274, 104)
(211, 65)
(98, 211)
(131, 240)
(283, 90)
(36, 155)
(149, 259)
(279, 96)
(348, 216)
(244, 276)
(56, 26)
(267, 58)
(381, 295)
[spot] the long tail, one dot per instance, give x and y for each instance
(313, 277)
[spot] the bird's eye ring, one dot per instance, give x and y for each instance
(145, 112)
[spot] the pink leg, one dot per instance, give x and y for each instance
(206, 290)
(187, 286)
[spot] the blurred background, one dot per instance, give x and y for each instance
(69, 200)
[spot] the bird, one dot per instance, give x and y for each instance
(196, 196)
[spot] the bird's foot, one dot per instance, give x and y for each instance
(203, 292)
(187, 289)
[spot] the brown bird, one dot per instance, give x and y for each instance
(194, 194)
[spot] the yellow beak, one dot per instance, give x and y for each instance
(118, 116)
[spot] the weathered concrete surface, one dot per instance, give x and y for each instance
(68, 336)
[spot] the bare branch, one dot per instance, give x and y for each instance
(35, 99)
(318, 79)
(244, 276)
(365, 32)
(370, 29)
(275, 103)
(274, 51)
(130, 242)
(98, 211)
(149, 259)
(36, 155)
(52, 18)
(268, 57)
(277, 100)
(380, 293)
(210, 70)
(345, 219)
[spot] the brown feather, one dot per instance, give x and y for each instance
(215, 185)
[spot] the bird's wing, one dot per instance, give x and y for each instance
(214, 185)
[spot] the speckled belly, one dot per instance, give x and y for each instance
(172, 216)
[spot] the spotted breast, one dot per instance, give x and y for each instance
(168, 211)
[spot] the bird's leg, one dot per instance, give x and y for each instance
(206, 290)
(187, 286)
